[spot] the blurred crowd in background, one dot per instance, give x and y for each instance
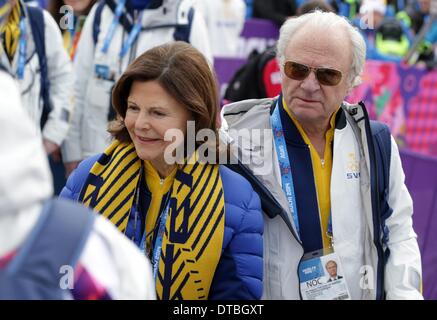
(71, 102)
(390, 28)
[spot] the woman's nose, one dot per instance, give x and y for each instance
(142, 122)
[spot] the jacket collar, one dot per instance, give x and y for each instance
(290, 130)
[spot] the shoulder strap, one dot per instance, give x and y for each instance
(268, 54)
(57, 240)
(3, 69)
(124, 19)
(382, 143)
(182, 32)
(36, 19)
(96, 22)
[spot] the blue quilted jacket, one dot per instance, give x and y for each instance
(240, 270)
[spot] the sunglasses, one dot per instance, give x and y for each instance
(325, 76)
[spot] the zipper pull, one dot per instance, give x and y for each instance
(161, 181)
(323, 163)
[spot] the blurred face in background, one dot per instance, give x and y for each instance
(79, 6)
(5, 8)
(378, 17)
(424, 5)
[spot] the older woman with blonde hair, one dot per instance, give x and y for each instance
(199, 222)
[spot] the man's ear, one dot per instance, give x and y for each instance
(352, 85)
(355, 82)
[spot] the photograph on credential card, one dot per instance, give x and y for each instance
(321, 278)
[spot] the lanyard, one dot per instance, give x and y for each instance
(156, 254)
(329, 232)
(117, 14)
(75, 35)
(284, 164)
(132, 36)
(285, 167)
(22, 49)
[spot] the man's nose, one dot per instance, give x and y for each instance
(310, 83)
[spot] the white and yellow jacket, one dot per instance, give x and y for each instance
(357, 227)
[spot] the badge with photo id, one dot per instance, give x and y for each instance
(321, 277)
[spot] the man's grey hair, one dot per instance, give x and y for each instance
(330, 22)
(330, 261)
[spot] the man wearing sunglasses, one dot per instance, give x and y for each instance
(335, 184)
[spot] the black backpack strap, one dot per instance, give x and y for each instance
(36, 18)
(268, 54)
(97, 19)
(183, 31)
(382, 144)
(57, 240)
(125, 20)
(2, 68)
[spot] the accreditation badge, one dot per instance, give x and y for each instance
(103, 72)
(321, 277)
(101, 87)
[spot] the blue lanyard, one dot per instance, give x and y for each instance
(284, 164)
(117, 14)
(158, 242)
(286, 175)
(132, 35)
(329, 232)
(22, 49)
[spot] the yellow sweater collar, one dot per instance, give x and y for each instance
(330, 131)
(155, 182)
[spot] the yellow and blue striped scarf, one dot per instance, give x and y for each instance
(192, 243)
(11, 31)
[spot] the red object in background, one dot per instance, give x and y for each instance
(272, 78)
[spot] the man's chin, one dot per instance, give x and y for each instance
(308, 115)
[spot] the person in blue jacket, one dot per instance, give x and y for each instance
(199, 222)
